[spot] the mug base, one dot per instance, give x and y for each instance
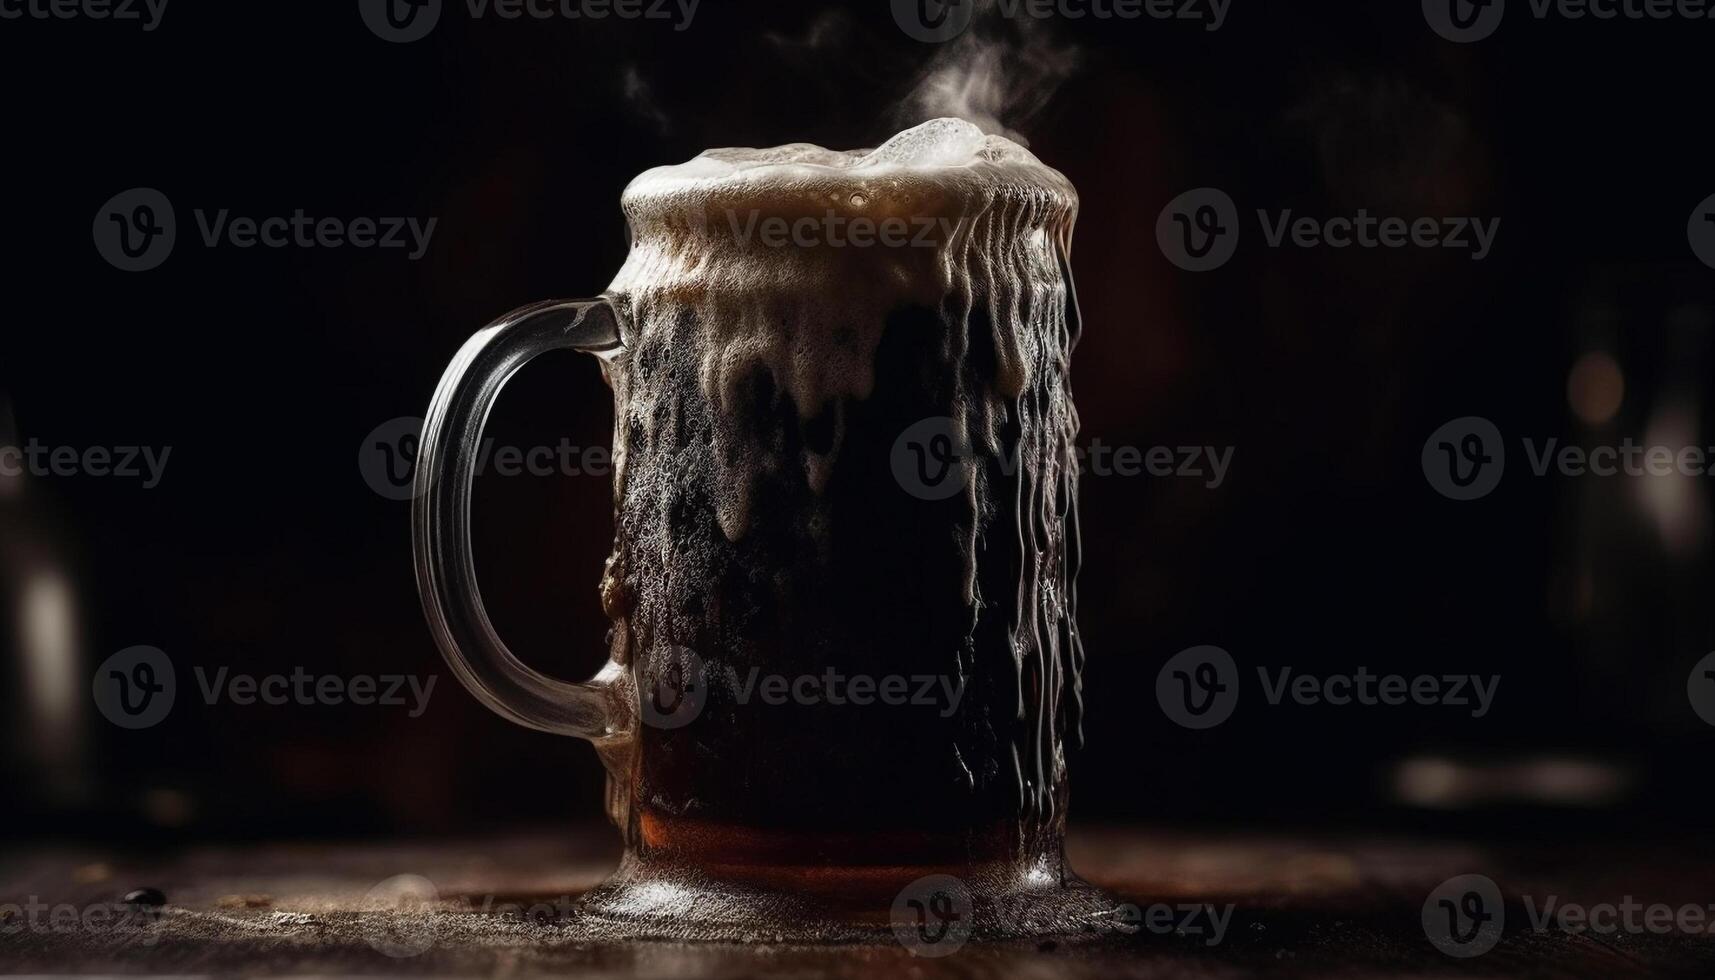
(929, 909)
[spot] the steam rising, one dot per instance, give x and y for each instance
(996, 84)
(825, 33)
(999, 75)
(642, 99)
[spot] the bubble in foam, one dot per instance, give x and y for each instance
(936, 143)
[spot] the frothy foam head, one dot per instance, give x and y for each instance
(943, 162)
(780, 252)
(936, 143)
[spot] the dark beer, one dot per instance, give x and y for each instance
(847, 540)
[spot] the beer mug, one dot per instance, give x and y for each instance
(844, 657)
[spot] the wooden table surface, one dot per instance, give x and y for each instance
(1304, 907)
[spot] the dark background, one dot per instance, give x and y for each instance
(1326, 549)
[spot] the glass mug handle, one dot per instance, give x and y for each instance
(598, 709)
